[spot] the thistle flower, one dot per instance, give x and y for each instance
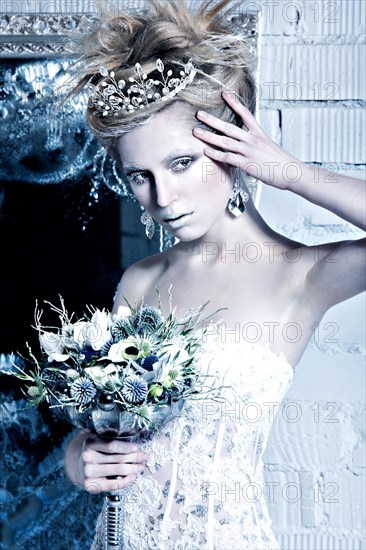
(83, 390)
(135, 389)
(173, 374)
(148, 319)
(51, 376)
(121, 329)
(104, 350)
(34, 391)
(72, 374)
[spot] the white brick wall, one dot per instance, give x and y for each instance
(312, 99)
(308, 72)
(325, 134)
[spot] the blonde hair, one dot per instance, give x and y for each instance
(171, 32)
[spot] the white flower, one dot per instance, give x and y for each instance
(80, 330)
(99, 375)
(94, 333)
(59, 357)
(125, 350)
(123, 311)
(173, 353)
(53, 345)
(98, 330)
(164, 373)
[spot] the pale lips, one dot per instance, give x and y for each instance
(179, 221)
(177, 217)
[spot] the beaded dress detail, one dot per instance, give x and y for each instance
(203, 485)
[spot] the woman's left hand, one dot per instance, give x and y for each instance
(251, 150)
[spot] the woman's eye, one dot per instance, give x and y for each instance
(181, 164)
(137, 178)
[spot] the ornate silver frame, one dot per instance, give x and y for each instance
(43, 35)
(38, 35)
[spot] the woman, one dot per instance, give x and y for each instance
(181, 134)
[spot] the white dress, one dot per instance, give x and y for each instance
(203, 488)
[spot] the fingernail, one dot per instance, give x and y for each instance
(202, 114)
(198, 131)
(209, 151)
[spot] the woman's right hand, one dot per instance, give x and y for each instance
(99, 465)
(110, 465)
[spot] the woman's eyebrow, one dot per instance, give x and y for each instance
(177, 153)
(131, 166)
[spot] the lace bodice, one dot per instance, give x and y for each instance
(203, 487)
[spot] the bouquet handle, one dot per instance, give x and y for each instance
(115, 502)
(114, 520)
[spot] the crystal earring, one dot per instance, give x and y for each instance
(237, 200)
(148, 222)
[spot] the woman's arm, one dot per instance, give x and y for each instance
(339, 271)
(342, 195)
(256, 153)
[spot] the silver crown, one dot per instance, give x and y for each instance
(109, 97)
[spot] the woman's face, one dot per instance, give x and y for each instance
(181, 188)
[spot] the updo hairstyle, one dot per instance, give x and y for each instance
(170, 31)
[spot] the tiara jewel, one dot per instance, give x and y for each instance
(109, 97)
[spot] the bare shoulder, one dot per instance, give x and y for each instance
(140, 278)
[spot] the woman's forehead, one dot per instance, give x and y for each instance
(169, 130)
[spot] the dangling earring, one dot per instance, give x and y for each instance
(148, 222)
(237, 200)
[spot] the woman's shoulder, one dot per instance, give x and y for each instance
(154, 264)
(139, 277)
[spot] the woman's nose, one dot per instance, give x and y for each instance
(165, 192)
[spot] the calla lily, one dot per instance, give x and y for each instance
(80, 330)
(94, 333)
(101, 319)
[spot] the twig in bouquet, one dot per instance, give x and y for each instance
(64, 317)
(170, 297)
(188, 316)
(39, 392)
(210, 390)
(91, 309)
(62, 312)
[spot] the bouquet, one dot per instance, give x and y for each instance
(120, 374)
